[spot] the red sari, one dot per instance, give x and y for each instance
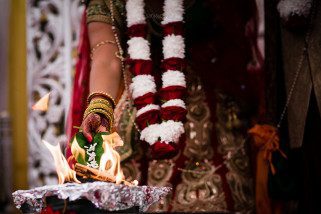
(212, 171)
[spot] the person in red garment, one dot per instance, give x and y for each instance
(209, 169)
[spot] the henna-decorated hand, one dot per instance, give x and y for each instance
(94, 123)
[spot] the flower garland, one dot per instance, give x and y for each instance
(162, 136)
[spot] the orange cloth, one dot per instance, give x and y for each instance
(266, 141)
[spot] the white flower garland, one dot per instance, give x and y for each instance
(174, 102)
(173, 46)
(173, 78)
(167, 131)
(139, 49)
(141, 85)
(135, 12)
(147, 108)
(173, 11)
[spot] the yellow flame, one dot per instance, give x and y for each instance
(63, 170)
(76, 150)
(42, 104)
(110, 160)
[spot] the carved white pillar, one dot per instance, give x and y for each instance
(51, 29)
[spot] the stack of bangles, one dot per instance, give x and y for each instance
(104, 105)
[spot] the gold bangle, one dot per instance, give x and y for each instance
(101, 101)
(105, 112)
(92, 51)
(100, 106)
(103, 94)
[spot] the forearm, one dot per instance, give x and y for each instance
(105, 74)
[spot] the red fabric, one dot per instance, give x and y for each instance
(81, 84)
(49, 210)
(173, 113)
(173, 63)
(138, 30)
(175, 28)
(172, 92)
(147, 118)
(140, 66)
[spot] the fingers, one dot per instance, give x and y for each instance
(103, 126)
(87, 132)
(102, 129)
(90, 125)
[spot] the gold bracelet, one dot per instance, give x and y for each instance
(87, 112)
(98, 45)
(107, 108)
(100, 106)
(101, 101)
(103, 94)
(108, 115)
(106, 112)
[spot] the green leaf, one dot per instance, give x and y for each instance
(81, 139)
(99, 150)
(82, 142)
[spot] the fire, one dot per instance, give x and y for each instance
(110, 160)
(42, 104)
(63, 170)
(109, 168)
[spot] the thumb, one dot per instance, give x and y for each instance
(87, 133)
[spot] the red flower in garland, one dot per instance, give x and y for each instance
(173, 28)
(140, 66)
(161, 150)
(173, 63)
(175, 113)
(144, 100)
(172, 92)
(162, 136)
(138, 30)
(147, 118)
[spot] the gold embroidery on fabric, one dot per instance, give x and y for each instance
(131, 170)
(198, 126)
(159, 173)
(97, 11)
(201, 188)
(125, 128)
(199, 191)
(231, 140)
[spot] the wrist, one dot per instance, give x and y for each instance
(103, 107)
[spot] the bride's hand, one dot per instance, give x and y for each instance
(94, 123)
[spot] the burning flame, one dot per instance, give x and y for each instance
(109, 166)
(63, 170)
(42, 104)
(110, 160)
